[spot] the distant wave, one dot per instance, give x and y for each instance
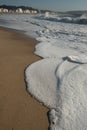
(75, 20)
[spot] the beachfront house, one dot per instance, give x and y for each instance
(27, 11)
(34, 11)
(19, 10)
(3, 10)
(0, 10)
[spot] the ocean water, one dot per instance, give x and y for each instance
(59, 80)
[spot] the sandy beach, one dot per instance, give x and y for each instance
(18, 110)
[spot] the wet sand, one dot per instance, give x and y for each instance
(18, 110)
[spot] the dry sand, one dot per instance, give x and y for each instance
(18, 110)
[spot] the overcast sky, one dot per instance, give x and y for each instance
(57, 5)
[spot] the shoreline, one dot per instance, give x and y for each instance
(18, 110)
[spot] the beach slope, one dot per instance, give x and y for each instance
(18, 110)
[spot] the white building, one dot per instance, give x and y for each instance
(34, 11)
(5, 10)
(19, 10)
(1, 10)
(27, 11)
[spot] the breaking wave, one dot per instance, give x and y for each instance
(65, 19)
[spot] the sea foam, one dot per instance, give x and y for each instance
(60, 85)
